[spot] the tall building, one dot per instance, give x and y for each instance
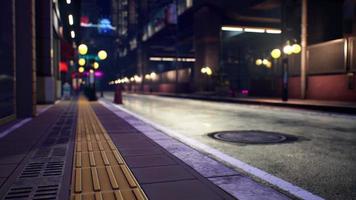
(179, 41)
(31, 51)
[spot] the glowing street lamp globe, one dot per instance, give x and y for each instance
(153, 75)
(265, 62)
(102, 55)
(203, 70)
(81, 61)
(296, 48)
(288, 49)
(81, 69)
(276, 53)
(268, 65)
(83, 49)
(148, 76)
(209, 72)
(259, 62)
(96, 65)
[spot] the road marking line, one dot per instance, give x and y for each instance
(278, 182)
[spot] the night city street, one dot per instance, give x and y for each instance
(178, 100)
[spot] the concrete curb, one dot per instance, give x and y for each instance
(324, 107)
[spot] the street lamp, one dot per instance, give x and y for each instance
(259, 62)
(81, 69)
(102, 55)
(296, 48)
(206, 70)
(81, 61)
(96, 65)
(82, 49)
(288, 49)
(265, 62)
(276, 53)
(153, 76)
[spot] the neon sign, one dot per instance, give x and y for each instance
(103, 25)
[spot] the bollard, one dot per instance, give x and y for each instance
(118, 95)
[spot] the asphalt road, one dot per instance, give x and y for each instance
(322, 160)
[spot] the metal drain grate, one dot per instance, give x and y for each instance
(19, 193)
(46, 192)
(32, 170)
(35, 170)
(53, 169)
(44, 170)
(42, 192)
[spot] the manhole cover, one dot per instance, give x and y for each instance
(250, 137)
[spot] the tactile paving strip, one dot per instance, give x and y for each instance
(99, 171)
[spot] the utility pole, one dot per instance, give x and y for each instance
(304, 44)
(285, 41)
(176, 47)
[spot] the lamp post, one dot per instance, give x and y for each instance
(102, 55)
(304, 42)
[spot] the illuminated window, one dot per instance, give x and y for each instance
(189, 3)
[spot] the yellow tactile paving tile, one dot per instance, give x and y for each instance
(100, 172)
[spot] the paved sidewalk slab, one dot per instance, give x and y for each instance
(34, 158)
(197, 161)
(161, 175)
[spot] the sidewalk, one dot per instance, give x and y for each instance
(35, 158)
(71, 153)
(319, 105)
(161, 175)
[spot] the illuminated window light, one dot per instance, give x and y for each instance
(155, 59)
(148, 76)
(254, 30)
(70, 20)
(231, 28)
(69, 1)
(273, 31)
(170, 59)
(167, 59)
(190, 60)
(72, 34)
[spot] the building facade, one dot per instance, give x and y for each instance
(177, 41)
(30, 50)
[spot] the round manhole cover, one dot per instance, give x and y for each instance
(250, 137)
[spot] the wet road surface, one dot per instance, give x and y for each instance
(322, 160)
